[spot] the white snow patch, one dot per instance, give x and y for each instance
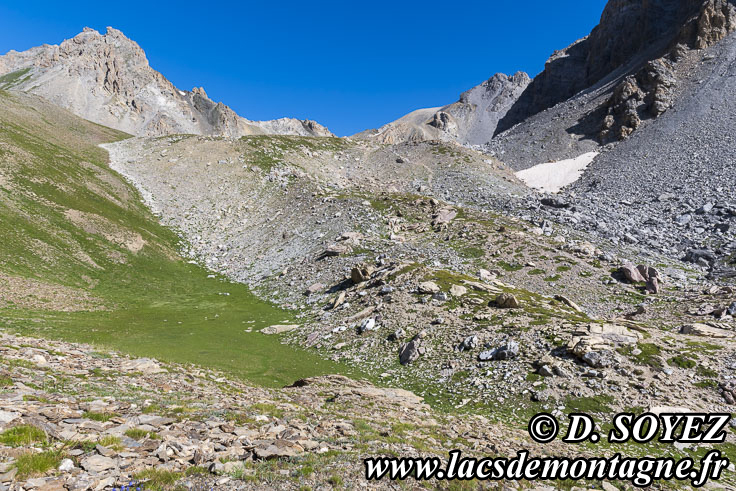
(550, 177)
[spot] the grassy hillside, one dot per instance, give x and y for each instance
(82, 258)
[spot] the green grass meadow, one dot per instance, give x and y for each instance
(154, 303)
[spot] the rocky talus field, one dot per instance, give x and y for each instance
(192, 300)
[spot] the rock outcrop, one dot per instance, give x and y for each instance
(648, 94)
(630, 32)
(107, 79)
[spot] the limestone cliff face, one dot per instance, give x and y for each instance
(107, 79)
(630, 31)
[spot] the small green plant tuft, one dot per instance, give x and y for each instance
(681, 361)
(335, 480)
(649, 353)
(706, 372)
(269, 409)
(197, 470)
(158, 480)
(509, 266)
(22, 435)
(35, 464)
(112, 442)
(101, 417)
(139, 434)
(707, 384)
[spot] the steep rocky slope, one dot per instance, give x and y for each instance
(304, 191)
(687, 162)
(630, 70)
(596, 91)
(472, 120)
(107, 79)
(661, 121)
(630, 33)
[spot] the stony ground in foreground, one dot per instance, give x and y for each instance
(74, 418)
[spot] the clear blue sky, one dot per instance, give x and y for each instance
(349, 65)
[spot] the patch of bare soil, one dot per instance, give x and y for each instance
(26, 293)
(97, 225)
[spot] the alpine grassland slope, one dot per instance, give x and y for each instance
(83, 259)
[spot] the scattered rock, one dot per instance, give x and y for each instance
(506, 301)
(599, 359)
(337, 250)
(508, 351)
(315, 288)
(98, 463)
(428, 287)
(555, 202)
(728, 391)
(731, 310)
(339, 300)
(568, 302)
(632, 273)
(443, 217)
(411, 351)
(441, 297)
(361, 273)
(458, 291)
(705, 331)
(397, 335)
(600, 339)
(143, 365)
(279, 328)
(8, 416)
(469, 343)
(277, 449)
(702, 257)
(66, 465)
(367, 325)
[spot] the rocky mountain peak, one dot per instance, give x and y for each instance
(106, 78)
(495, 85)
(199, 91)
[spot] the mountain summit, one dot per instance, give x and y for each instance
(107, 79)
(471, 120)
